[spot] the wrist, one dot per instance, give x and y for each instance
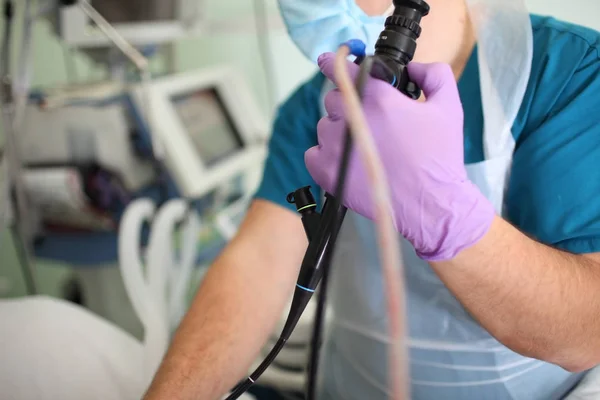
(460, 215)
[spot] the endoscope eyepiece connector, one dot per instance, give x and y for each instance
(397, 44)
(402, 29)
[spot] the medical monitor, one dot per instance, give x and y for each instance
(140, 22)
(209, 125)
(206, 120)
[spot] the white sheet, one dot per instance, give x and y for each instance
(52, 349)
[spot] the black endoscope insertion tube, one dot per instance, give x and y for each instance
(394, 49)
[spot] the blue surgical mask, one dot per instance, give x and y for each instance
(320, 26)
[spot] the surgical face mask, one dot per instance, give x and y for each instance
(321, 26)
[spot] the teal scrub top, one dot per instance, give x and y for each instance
(554, 189)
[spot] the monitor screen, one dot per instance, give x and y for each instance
(206, 121)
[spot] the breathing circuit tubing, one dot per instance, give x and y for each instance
(393, 51)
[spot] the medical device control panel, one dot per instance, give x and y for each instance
(209, 126)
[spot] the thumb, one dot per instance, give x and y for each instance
(326, 63)
(436, 80)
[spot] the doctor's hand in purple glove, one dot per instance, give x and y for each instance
(436, 208)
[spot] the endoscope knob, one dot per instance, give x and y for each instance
(403, 22)
(420, 6)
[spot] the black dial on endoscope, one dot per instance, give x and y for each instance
(397, 43)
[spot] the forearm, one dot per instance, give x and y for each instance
(231, 317)
(538, 301)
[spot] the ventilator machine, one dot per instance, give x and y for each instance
(138, 181)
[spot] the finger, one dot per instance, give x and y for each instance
(311, 158)
(436, 80)
(319, 159)
(326, 63)
(316, 166)
(334, 104)
(327, 137)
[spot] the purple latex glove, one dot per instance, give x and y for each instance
(437, 209)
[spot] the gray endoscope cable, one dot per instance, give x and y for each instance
(316, 340)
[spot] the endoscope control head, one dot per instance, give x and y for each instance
(397, 44)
